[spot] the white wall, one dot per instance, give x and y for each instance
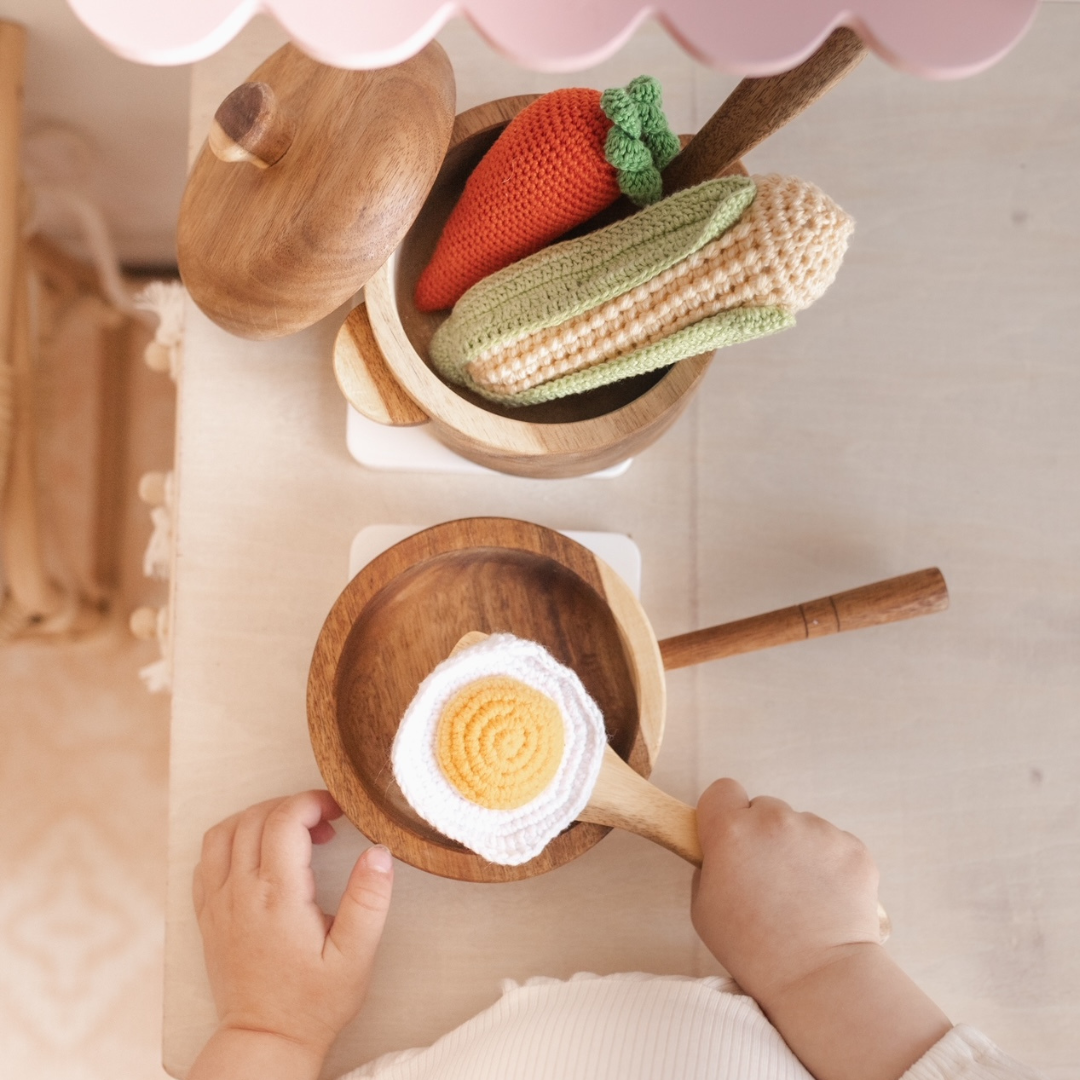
(134, 116)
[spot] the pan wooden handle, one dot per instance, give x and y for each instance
(905, 597)
(365, 378)
(758, 107)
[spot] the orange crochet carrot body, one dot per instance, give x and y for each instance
(558, 163)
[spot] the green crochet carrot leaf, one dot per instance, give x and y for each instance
(559, 162)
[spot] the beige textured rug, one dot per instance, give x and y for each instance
(83, 802)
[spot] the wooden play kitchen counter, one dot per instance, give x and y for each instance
(864, 444)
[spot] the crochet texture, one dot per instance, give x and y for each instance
(783, 252)
(466, 727)
(559, 162)
(518, 341)
(499, 742)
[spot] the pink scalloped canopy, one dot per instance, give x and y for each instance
(934, 38)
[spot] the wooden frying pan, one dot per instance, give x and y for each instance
(406, 610)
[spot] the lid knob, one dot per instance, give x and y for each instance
(250, 125)
(269, 250)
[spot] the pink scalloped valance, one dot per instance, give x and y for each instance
(933, 38)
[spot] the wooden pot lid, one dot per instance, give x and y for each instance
(309, 180)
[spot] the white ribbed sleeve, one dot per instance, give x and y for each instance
(629, 1027)
(645, 1027)
(967, 1054)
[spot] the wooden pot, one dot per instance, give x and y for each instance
(381, 353)
(382, 361)
(405, 611)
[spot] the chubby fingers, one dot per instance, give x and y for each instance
(719, 801)
(361, 915)
(717, 808)
(236, 843)
(289, 830)
(215, 860)
(725, 813)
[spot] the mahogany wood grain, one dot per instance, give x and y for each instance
(569, 437)
(404, 612)
(267, 251)
(906, 597)
(447, 587)
(412, 606)
(365, 380)
(757, 108)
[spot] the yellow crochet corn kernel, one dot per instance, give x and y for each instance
(499, 742)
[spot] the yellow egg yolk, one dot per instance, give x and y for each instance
(499, 742)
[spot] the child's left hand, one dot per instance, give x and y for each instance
(278, 965)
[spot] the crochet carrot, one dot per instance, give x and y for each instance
(559, 161)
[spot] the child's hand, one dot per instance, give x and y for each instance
(788, 904)
(278, 965)
(778, 891)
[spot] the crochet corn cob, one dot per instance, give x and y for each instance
(560, 161)
(724, 262)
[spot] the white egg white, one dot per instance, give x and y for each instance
(513, 836)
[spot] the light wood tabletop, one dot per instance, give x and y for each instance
(923, 413)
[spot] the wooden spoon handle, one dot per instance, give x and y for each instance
(758, 107)
(905, 597)
(625, 800)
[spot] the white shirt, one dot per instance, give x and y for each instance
(645, 1027)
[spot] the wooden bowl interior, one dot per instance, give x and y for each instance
(415, 253)
(413, 623)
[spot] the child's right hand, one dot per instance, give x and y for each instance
(779, 892)
(788, 904)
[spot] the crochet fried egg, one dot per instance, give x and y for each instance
(500, 748)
